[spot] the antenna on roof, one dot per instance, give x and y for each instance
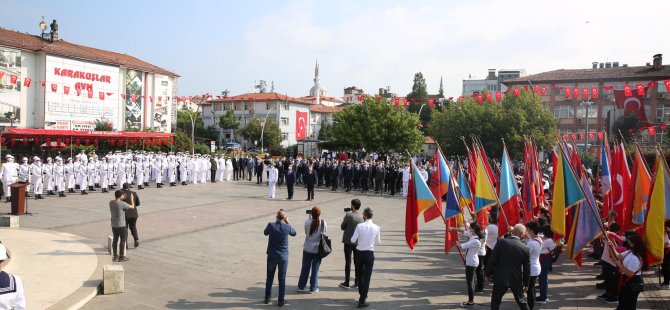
(43, 27)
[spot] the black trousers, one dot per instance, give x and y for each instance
(378, 185)
(131, 223)
(611, 279)
(530, 293)
(665, 267)
(119, 233)
(500, 290)
(470, 281)
(628, 296)
(213, 176)
(347, 184)
(348, 250)
(480, 274)
(236, 174)
(310, 191)
(259, 178)
(366, 260)
(289, 187)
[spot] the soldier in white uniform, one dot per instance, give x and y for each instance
(193, 168)
(172, 171)
(83, 175)
(70, 174)
(121, 171)
(75, 171)
(90, 173)
(37, 179)
(273, 176)
(146, 169)
(139, 172)
(183, 169)
(24, 173)
(59, 176)
(48, 170)
(104, 175)
(158, 172)
(405, 179)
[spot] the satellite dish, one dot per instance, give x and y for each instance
(43, 25)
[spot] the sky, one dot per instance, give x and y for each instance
(230, 45)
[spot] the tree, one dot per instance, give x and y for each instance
(514, 119)
(629, 125)
(417, 98)
(377, 127)
(326, 131)
(230, 121)
(262, 86)
(271, 134)
(10, 117)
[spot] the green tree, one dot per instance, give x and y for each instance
(418, 97)
(514, 119)
(377, 127)
(326, 131)
(184, 121)
(629, 125)
(230, 121)
(271, 134)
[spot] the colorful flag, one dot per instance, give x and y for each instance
(465, 197)
(567, 192)
(419, 199)
(659, 211)
(585, 226)
(508, 194)
(620, 185)
(485, 193)
(435, 188)
(639, 192)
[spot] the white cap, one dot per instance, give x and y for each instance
(3, 252)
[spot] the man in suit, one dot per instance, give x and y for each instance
(132, 214)
(236, 169)
(277, 251)
(290, 180)
(310, 181)
(351, 219)
(509, 265)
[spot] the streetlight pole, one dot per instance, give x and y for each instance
(420, 109)
(586, 103)
(263, 127)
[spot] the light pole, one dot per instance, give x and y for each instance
(420, 109)
(263, 127)
(586, 104)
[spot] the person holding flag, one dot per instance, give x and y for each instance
(472, 248)
(630, 264)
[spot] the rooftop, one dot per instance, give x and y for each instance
(260, 97)
(324, 109)
(606, 74)
(28, 42)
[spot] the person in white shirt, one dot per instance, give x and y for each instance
(546, 262)
(491, 237)
(273, 175)
(366, 236)
(630, 263)
(535, 247)
(405, 179)
(11, 286)
(472, 248)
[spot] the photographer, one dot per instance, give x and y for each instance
(351, 219)
(314, 227)
(131, 214)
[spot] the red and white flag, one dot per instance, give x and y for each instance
(631, 103)
(640, 89)
(66, 89)
(13, 78)
(585, 92)
(133, 98)
(667, 85)
(2, 74)
(568, 92)
(101, 95)
(627, 91)
(575, 93)
(431, 102)
(488, 97)
(123, 96)
(43, 83)
(543, 90)
(90, 94)
(54, 87)
(594, 92)
(498, 96)
(480, 98)
(301, 125)
(517, 92)
(27, 81)
(78, 90)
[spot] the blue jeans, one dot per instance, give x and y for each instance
(544, 277)
(313, 261)
(273, 263)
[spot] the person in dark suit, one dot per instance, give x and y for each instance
(334, 175)
(347, 175)
(277, 252)
(282, 173)
(349, 223)
(131, 214)
(509, 265)
(290, 180)
(310, 181)
(259, 171)
(213, 161)
(236, 169)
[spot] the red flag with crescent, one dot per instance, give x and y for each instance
(488, 97)
(536, 89)
(568, 92)
(631, 103)
(594, 92)
(585, 92)
(575, 93)
(640, 89)
(517, 92)
(301, 125)
(480, 98)
(27, 81)
(498, 96)
(431, 102)
(405, 102)
(13, 78)
(667, 85)
(627, 91)
(54, 87)
(543, 90)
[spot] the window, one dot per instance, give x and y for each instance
(284, 121)
(217, 107)
(284, 106)
(560, 91)
(581, 111)
(227, 106)
(239, 106)
(284, 136)
(248, 106)
(269, 105)
(564, 111)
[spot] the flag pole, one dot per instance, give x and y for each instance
(439, 149)
(490, 182)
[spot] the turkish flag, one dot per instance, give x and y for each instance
(2, 74)
(627, 91)
(594, 92)
(480, 98)
(565, 136)
(591, 136)
(54, 87)
(543, 91)
(517, 92)
(567, 92)
(109, 94)
(43, 83)
(536, 89)
(600, 135)
(620, 185)
(301, 125)
(581, 136)
(498, 96)
(431, 102)
(90, 94)
(101, 95)
(396, 102)
(575, 93)
(160, 98)
(640, 89)
(13, 78)
(27, 81)
(667, 85)
(151, 98)
(461, 98)
(488, 97)
(585, 92)
(526, 88)
(360, 98)
(652, 131)
(574, 137)
(631, 103)
(133, 98)
(405, 102)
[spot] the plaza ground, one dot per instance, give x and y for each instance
(202, 247)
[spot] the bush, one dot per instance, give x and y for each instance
(277, 150)
(202, 148)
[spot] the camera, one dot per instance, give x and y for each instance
(347, 209)
(308, 211)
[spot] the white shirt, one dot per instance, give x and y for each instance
(492, 238)
(548, 245)
(367, 235)
(472, 247)
(16, 300)
(535, 246)
(631, 262)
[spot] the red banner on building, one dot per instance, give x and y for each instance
(301, 125)
(631, 103)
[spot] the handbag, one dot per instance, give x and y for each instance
(324, 244)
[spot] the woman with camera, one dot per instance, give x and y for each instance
(314, 227)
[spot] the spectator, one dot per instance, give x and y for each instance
(314, 227)
(277, 251)
(11, 286)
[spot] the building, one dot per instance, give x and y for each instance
(492, 82)
(582, 98)
(319, 95)
(354, 94)
(49, 83)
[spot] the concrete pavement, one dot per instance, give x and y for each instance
(203, 248)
